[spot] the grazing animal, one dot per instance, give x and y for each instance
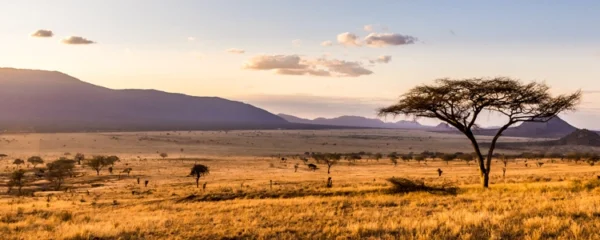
(312, 167)
(329, 182)
(283, 159)
(439, 172)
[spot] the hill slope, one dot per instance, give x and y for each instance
(52, 101)
(554, 128)
(353, 121)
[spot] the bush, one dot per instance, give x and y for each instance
(404, 185)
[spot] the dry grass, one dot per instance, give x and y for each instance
(557, 201)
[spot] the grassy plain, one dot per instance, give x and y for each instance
(559, 200)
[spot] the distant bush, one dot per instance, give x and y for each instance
(405, 185)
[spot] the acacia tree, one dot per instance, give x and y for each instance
(58, 171)
(18, 162)
(328, 158)
(199, 170)
(79, 157)
(97, 163)
(459, 103)
(17, 179)
(35, 160)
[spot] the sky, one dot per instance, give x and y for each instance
(309, 58)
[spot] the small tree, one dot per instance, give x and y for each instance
(97, 163)
(459, 103)
(163, 155)
(58, 171)
(35, 160)
(2, 156)
(111, 160)
(79, 157)
(18, 162)
(393, 158)
(328, 158)
(199, 170)
(378, 156)
(17, 178)
(448, 157)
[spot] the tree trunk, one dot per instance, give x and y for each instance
(197, 182)
(485, 179)
(328, 168)
(97, 172)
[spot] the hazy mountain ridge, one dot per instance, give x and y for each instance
(354, 121)
(52, 101)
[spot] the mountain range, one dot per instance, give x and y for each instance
(354, 121)
(49, 101)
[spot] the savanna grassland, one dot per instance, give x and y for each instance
(251, 194)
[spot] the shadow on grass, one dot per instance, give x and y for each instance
(405, 185)
(399, 185)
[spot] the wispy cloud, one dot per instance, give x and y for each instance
(382, 59)
(326, 43)
(75, 40)
(369, 28)
(388, 39)
(236, 51)
(191, 39)
(42, 33)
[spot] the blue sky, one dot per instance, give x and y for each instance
(181, 46)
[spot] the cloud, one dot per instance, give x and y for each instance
(297, 72)
(270, 62)
(348, 39)
(386, 39)
(42, 33)
(295, 65)
(342, 68)
(191, 39)
(236, 51)
(326, 43)
(382, 59)
(76, 40)
(297, 43)
(368, 28)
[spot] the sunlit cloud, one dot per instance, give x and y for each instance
(382, 59)
(77, 40)
(236, 51)
(42, 33)
(295, 65)
(270, 62)
(368, 28)
(326, 43)
(348, 39)
(387, 39)
(191, 39)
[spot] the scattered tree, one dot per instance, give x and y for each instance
(58, 171)
(459, 103)
(199, 170)
(163, 155)
(35, 160)
(79, 157)
(17, 179)
(18, 162)
(97, 163)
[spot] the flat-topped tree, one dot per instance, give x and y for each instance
(459, 103)
(35, 160)
(199, 170)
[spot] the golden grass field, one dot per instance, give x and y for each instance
(560, 200)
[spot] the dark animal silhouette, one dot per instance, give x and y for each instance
(312, 167)
(439, 172)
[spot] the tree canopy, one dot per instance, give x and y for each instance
(460, 102)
